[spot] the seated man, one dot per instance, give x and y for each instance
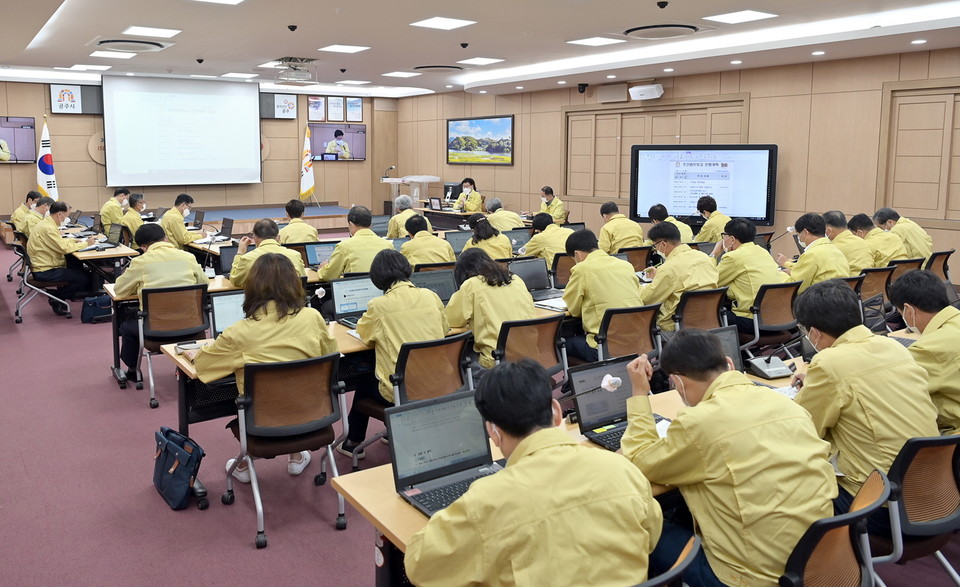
(865, 392)
(131, 218)
(548, 239)
(161, 265)
(507, 528)
(922, 301)
(658, 213)
(820, 260)
(743, 268)
(397, 227)
(550, 204)
(28, 204)
(885, 246)
(746, 459)
(618, 232)
(918, 243)
(297, 231)
(112, 211)
(265, 233)
(48, 256)
(172, 222)
(423, 247)
(501, 218)
(355, 254)
(597, 282)
(35, 216)
(858, 253)
(683, 269)
(711, 229)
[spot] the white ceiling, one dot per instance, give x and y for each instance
(530, 35)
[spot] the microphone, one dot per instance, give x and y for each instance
(788, 231)
(389, 169)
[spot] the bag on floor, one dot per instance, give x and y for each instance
(175, 466)
(96, 309)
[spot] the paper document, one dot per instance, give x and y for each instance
(662, 426)
(354, 334)
(556, 304)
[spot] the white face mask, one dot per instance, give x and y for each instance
(467, 191)
(911, 329)
(124, 202)
(340, 142)
(33, 206)
(544, 200)
(678, 385)
(186, 211)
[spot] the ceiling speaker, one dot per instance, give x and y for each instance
(646, 92)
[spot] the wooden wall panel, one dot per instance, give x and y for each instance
(850, 75)
(914, 66)
(787, 80)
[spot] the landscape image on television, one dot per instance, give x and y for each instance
(480, 141)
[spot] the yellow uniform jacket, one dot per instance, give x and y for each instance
(938, 352)
(619, 233)
(685, 269)
(483, 308)
(548, 243)
(163, 265)
(354, 255)
(426, 248)
(243, 263)
(298, 231)
(597, 283)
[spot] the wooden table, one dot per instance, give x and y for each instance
(445, 219)
(94, 260)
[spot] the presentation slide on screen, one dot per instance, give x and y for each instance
(434, 437)
(737, 179)
(177, 132)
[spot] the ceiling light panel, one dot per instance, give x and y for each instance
(113, 54)
(146, 31)
(480, 61)
(401, 74)
(230, 2)
(240, 75)
(343, 48)
(740, 17)
(443, 23)
(352, 82)
(597, 41)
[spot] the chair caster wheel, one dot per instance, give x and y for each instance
(18, 320)
(320, 479)
(261, 540)
(154, 403)
(123, 384)
(203, 503)
(342, 522)
(9, 278)
(139, 384)
(68, 316)
(227, 498)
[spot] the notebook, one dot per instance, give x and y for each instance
(318, 253)
(440, 282)
(438, 447)
(458, 238)
(350, 298)
(226, 308)
(534, 274)
(518, 237)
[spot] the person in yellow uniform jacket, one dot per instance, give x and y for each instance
(23, 209)
(355, 254)
(884, 246)
(424, 247)
(404, 313)
(131, 218)
(297, 231)
(339, 146)
(397, 227)
(507, 528)
(597, 282)
(276, 327)
(161, 265)
(48, 256)
(488, 238)
(658, 213)
(865, 393)
(618, 232)
(550, 204)
(683, 269)
(820, 260)
(489, 295)
(731, 454)
(711, 229)
(172, 222)
(743, 267)
(112, 211)
(501, 218)
(469, 200)
(265, 233)
(922, 301)
(548, 239)
(35, 216)
(858, 253)
(918, 243)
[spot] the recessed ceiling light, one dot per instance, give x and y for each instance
(597, 41)
(231, 2)
(519, 87)
(113, 54)
(668, 70)
(248, 80)
(483, 91)
(79, 67)
(736, 62)
(449, 86)
(818, 53)
(352, 82)
(740, 17)
(240, 75)
(442, 23)
(270, 64)
(130, 74)
(401, 74)
(146, 31)
(611, 77)
(561, 82)
(203, 76)
(480, 61)
(918, 42)
(343, 48)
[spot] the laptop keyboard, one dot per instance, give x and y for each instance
(611, 439)
(439, 498)
(545, 294)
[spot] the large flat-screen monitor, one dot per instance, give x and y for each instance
(742, 179)
(18, 139)
(352, 146)
(180, 132)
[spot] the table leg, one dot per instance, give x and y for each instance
(389, 562)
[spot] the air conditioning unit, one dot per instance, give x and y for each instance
(646, 92)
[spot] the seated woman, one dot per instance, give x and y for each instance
(488, 238)
(404, 313)
(276, 327)
(488, 296)
(470, 199)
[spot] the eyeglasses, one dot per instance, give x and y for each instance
(803, 330)
(724, 234)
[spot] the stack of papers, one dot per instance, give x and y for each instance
(556, 304)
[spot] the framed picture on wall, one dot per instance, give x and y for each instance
(316, 108)
(334, 109)
(480, 141)
(354, 109)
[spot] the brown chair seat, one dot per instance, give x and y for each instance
(46, 284)
(913, 547)
(267, 447)
(767, 338)
(371, 408)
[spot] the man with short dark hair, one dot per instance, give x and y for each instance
(918, 243)
(423, 246)
(48, 256)
(618, 232)
(34, 216)
(865, 393)
(857, 252)
(658, 213)
(403, 205)
(885, 246)
(921, 298)
(711, 229)
(265, 233)
(23, 209)
(112, 211)
(555, 497)
(131, 218)
(548, 239)
(172, 222)
(355, 254)
(747, 460)
(550, 204)
(297, 231)
(820, 260)
(501, 218)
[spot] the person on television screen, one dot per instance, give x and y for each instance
(5, 154)
(339, 146)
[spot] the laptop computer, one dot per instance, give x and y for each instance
(227, 255)
(197, 220)
(458, 238)
(226, 309)
(575, 226)
(398, 242)
(534, 274)
(73, 220)
(318, 253)
(223, 235)
(731, 347)
(438, 447)
(350, 298)
(440, 282)
(518, 237)
(113, 240)
(601, 413)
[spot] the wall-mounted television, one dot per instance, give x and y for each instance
(325, 140)
(742, 179)
(18, 139)
(480, 141)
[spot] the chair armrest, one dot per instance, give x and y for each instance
(465, 363)
(396, 378)
(790, 580)
(339, 388)
(562, 343)
(242, 402)
(599, 338)
(498, 354)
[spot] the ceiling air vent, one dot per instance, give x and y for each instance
(132, 45)
(438, 68)
(661, 31)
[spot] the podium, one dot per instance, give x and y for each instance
(394, 186)
(419, 185)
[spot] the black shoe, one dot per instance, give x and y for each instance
(132, 376)
(59, 309)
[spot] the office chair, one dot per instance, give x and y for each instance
(673, 577)
(538, 339)
(625, 331)
(639, 257)
(31, 287)
(938, 264)
(562, 265)
(432, 267)
(873, 296)
(773, 320)
(701, 308)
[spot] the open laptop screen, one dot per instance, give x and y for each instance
(518, 237)
(458, 238)
(439, 282)
(319, 252)
(533, 272)
(225, 309)
(598, 407)
(226, 227)
(731, 344)
(114, 236)
(351, 295)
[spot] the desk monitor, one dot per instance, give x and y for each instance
(518, 237)
(458, 238)
(440, 282)
(328, 156)
(318, 253)
(226, 309)
(351, 295)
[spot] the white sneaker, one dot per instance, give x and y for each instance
(241, 475)
(297, 467)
